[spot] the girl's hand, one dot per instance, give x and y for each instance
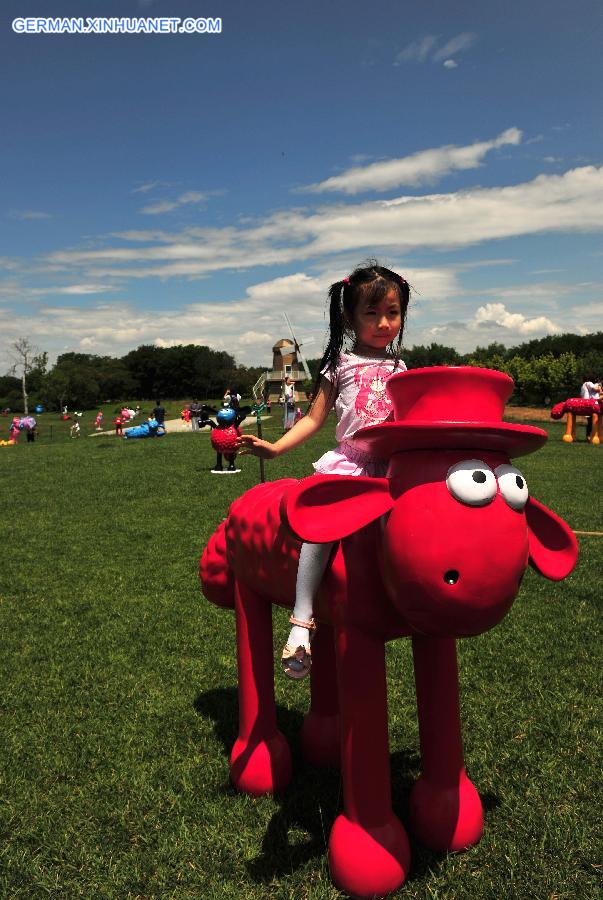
(250, 444)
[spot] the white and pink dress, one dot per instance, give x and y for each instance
(361, 400)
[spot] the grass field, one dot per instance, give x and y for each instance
(118, 705)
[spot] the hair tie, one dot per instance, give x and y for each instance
(346, 280)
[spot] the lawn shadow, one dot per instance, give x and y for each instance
(298, 810)
(299, 828)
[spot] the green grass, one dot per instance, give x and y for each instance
(118, 705)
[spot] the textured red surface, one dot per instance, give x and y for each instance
(224, 440)
(577, 405)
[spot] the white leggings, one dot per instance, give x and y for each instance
(313, 560)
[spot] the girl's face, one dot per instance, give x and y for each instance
(376, 325)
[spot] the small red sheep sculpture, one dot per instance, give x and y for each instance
(579, 406)
(435, 551)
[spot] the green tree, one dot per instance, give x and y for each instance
(434, 355)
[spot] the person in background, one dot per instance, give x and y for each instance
(195, 411)
(159, 413)
(590, 390)
(288, 404)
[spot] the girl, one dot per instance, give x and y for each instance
(369, 309)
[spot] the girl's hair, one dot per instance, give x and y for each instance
(370, 282)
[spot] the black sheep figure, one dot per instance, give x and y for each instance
(224, 434)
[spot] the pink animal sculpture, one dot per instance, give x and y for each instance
(436, 551)
(14, 431)
(578, 406)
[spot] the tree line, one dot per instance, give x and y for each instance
(545, 371)
(84, 380)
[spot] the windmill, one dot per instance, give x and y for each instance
(297, 347)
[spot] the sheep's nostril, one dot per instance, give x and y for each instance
(451, 576)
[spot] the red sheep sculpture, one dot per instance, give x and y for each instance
(435, 551)
(580, 406)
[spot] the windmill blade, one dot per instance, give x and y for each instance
(305, 366)
(258, 389)
(296, 344)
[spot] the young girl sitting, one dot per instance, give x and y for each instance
(368, 309)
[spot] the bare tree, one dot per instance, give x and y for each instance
(26, 357)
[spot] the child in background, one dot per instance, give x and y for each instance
(369, 310)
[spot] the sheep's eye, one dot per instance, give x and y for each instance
(512, 486)
(472, 482)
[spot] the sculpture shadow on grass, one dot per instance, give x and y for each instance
(300, 827)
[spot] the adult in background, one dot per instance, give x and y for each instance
(159, 413)
(195, 411)
(232, 398)
(289, 404)
(590, 390)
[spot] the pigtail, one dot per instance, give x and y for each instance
(337, 332)
(404, 291)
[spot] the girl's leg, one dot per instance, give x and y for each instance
(313, 560)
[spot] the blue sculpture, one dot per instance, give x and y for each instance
(150, 428)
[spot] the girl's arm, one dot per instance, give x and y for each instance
(301, 431)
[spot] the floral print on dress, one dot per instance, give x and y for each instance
(372, 402)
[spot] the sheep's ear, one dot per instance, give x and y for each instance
(552, 544)
(325, 508)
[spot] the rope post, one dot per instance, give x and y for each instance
(258, 410)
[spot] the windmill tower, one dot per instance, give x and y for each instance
(287, 362)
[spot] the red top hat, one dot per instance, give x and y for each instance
(449, 407)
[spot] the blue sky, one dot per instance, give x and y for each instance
(188, 188)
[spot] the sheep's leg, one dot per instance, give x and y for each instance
(445, 809)
(570, 428)
(369, 854)
(260, 762)
(320, 732)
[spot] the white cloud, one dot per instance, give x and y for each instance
(113, 328)
(78, 289)
(571, 202)
(249, 325)
(29, 215)
(490, 323)
(426, 166)
(498, 314)
(12, 288)
(148, 186)
(450, 64)
(163, 206)
(455, 45)
(417, 51)
(425, 49)
(252, 338)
